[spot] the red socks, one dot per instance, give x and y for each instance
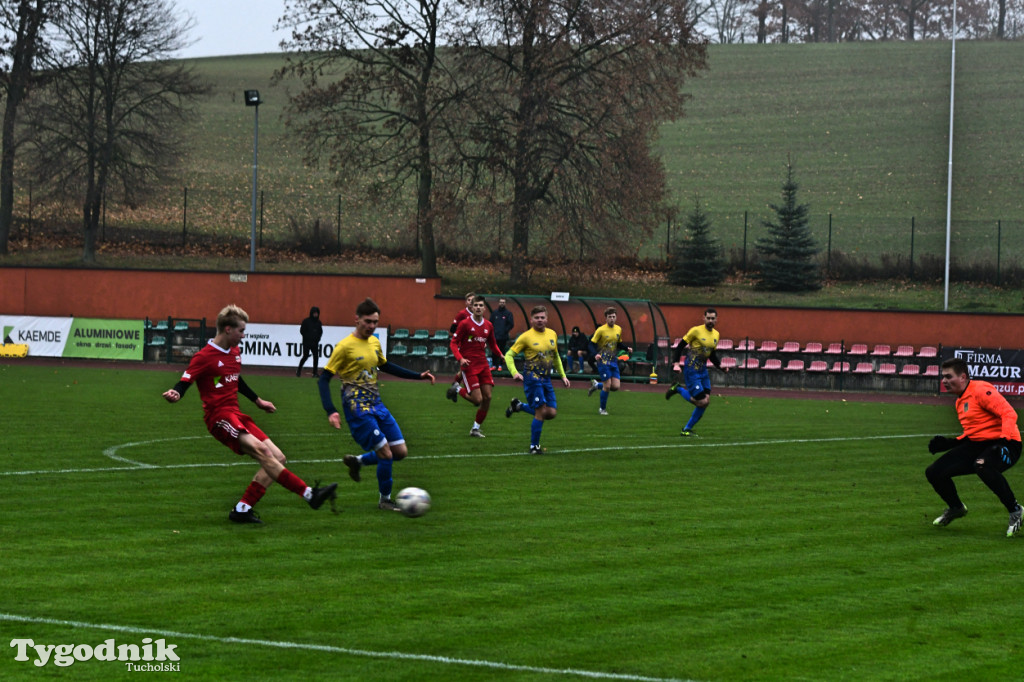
(253, 494)
(292, 482)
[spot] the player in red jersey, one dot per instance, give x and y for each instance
(453, 391)
(216, 371)
(470, 342)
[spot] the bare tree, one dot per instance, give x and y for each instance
(374, 90)
(22, 22)
(108, 120)
(572, 92)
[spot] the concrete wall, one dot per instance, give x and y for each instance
(416, 303)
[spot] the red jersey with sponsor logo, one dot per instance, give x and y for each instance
(985, 414)
(214, 371)
(471, 340)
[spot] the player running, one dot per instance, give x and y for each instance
(355, 360)
(699, 346)
(216, 370)
(472, 338)
(604, 348)
(453, 391)
(539, 346)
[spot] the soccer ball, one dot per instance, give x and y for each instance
(413, 501)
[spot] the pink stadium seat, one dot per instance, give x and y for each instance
(928, 352)
(663, 342)
(768, 347)
(790, 347)
(887, 368)
(813, 347)
(839, 367)
(728, 362)
(818, 366)
(904, 352)
(882, 349)
(910, 370)
(863, 368)
(859, 349)
(794, 366)
(834, 349)
(931, 371)
(752, 363)
(773, 363)
(745, 344)
(725, 344)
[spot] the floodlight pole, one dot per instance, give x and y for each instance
(949, 178)
(252, 99)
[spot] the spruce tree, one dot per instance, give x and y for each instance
(697, 258)
(787, 252)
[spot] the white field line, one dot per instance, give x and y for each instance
(325, 648)
(112, 451)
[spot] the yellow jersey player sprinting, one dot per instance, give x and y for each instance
(604, 348)
(699, 345)
(539, 346)
(355, 360)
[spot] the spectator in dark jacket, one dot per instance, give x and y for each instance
(578, 350)
(501, 319)
(312, 331)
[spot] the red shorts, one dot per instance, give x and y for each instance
(227, 427)
(475, 376)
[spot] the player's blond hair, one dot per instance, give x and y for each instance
(231, 316)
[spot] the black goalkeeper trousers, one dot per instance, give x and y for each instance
(986, 458)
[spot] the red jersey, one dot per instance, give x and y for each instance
(460, 316)
(471, 340)
(985, 414)
(214, 371)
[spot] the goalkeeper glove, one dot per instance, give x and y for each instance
(940, 444)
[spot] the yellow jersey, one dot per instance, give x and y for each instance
(355, 362)
(540, 352)
(701, 343)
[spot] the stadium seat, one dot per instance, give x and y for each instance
(910, 370)
(931, 371)
(794, 366)
(160, 326)
(818, 366)
(840, 367)
(419, 352)
(663, 341)
(904, 352)
(745, 345)
(399, 349)
(928, 352)
(834, 349)
(751, 363)
(773, 363)
(790, 347)
(400, 334)
(863, 368)
(858, 349)
(813, 347)
(768, 347)
(729, 362)
(887, 368)
(725, 344)
(882, 349)
(420, 335)
(439, 352)
(441, 335)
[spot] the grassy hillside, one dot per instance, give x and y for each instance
(866, 126)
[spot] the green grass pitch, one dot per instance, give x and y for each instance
(791, 541)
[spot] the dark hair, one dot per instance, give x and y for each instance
(710, 310)
(576, 330)
(479, 299)
(367, 307)
(538, 309)
(958, 365)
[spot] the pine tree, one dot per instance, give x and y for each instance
(697, 259)
(787, 252)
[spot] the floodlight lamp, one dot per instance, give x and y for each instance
(252, 98)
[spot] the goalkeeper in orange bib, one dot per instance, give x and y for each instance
(989, 445)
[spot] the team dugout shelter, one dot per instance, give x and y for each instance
(644, 328)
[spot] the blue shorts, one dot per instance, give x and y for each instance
(608, 370)
(539, 392)
(697, 381)
(374, 427)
